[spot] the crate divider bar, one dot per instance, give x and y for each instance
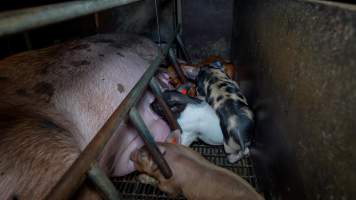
(150, 143)
(155, 88)
(176, 65)
(103, 183)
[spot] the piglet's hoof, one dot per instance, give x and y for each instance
(145, 179)
(232, 158)
(247, 151)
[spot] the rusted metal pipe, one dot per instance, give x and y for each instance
(150, 142)
(176, 66)
(184, 50)
(25, 19)
(172, 121)
(75, 175)
(99, 179)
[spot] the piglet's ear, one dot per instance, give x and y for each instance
(174, 137)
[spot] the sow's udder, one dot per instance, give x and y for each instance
(116, 158)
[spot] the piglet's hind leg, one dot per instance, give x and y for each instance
(188, 138)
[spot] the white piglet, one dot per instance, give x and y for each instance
(196, 118)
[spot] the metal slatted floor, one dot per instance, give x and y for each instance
(131, 189)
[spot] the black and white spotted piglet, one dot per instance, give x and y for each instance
(225, 97)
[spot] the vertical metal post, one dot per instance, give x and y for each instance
(174, 15)
(184, 50)
(99, 178)
(154, 85)
(176, 66)
(150, 143)
(179, 14)
(157, 22)
(97, 21)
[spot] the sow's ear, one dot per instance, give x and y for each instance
(174, 137)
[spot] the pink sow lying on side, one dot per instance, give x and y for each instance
(54, 100)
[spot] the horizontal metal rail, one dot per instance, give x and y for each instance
(75, 175)
(24, 19)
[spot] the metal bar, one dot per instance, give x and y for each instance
(176, 66)
(157, 23)
(174, 21)
(154, 85)
(102, 182)
(29, 18)
(150, 142)
(75, 175)
(174, 14)
(184, 50)
(97, 21)
(179, 15)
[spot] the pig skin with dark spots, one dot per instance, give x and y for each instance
(60, 97)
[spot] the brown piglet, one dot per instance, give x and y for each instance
(193, 175)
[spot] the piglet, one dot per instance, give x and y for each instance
(196, 118)
(193, 175)
(236, 118)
